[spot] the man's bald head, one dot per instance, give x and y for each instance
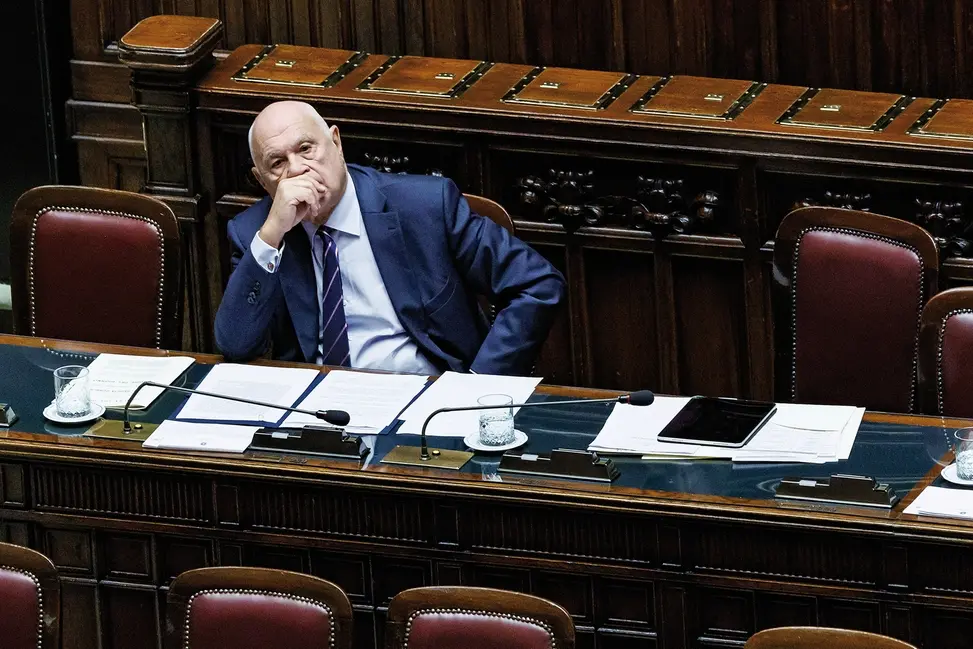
(282, 112)
(290, 139)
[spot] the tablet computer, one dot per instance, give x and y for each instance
(714, 421)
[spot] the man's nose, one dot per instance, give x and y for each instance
(295, 166)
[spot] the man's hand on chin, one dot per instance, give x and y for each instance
(296, 198)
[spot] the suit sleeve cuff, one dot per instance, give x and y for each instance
(266, 255)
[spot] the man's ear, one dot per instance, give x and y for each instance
(336, 137)
(258, 178)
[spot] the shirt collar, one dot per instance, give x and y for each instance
(346, 216)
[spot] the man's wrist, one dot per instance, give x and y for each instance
(270, 236)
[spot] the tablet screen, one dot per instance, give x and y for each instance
(717, 422)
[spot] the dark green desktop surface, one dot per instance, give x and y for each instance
(899, 455)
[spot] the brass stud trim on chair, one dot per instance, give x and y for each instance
(939, 356)
(269, 593)
(463, 611)
(162, 259)
(40, 600)
(864, 235)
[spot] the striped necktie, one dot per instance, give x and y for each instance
(334, 334)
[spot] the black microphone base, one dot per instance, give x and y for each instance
(322, 441)
(439, 458)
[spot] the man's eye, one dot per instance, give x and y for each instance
(275, 164)
(305, 148)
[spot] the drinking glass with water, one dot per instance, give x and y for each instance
(497, 425)
(964, 453)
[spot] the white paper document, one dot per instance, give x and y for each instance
(634, 430)
(372, 400)
(454, 390)
(795, 433)
(937, 501)
(189, 436)
(277, 385)
(114, 377)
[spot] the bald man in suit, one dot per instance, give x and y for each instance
(343, 265)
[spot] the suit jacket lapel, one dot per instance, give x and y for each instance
(300, 290)
(391, 255)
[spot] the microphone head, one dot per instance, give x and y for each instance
(641, 398)
(335, 417)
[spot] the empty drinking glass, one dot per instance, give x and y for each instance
(497, 425)
(72, 395)
(964, 453)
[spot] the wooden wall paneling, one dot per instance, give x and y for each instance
(850, 614)
(81, 621)
(721, 618)
(673, 621)
(943, 627)
(130, 616)
(754, 232)
(116, 164)
(710, 314)
(13, 489)
(897, 621)
(622, 323)
(774, 609)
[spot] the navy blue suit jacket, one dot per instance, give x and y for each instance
(435, 256)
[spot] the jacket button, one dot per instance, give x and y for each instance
(252, 298)
(256, 287)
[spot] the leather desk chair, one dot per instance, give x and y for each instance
(96, 265)
(809, 637)
(946, 354)
(492, 210)
(499, 215)
(256, 608)
(852, 286)
(453, 617)
(30, 599)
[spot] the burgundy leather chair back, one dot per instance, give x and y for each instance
(853, 285)
(256, 608)
(946, 354)
(96, 265)
(810, 637)
(452, 617)
(30, 599)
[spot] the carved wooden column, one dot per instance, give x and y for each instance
(167, 55)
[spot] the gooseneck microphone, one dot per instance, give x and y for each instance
(333, 417)
(639, 398)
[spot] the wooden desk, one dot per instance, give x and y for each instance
(658, 559)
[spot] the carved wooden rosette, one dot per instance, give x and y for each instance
(662, 206)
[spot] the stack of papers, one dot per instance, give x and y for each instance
(189, 436)
(114, 377)
(795, 433)
(937, 501)
(373, 401)
(452, 390)
(281, 386)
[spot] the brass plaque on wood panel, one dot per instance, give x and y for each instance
(568, 88)
(844, 109)
(947, 118)
(697, 97)
(295, 65)
(427, 77)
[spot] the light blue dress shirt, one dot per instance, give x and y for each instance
(376, 337)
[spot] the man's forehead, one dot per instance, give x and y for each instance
(274, 140)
